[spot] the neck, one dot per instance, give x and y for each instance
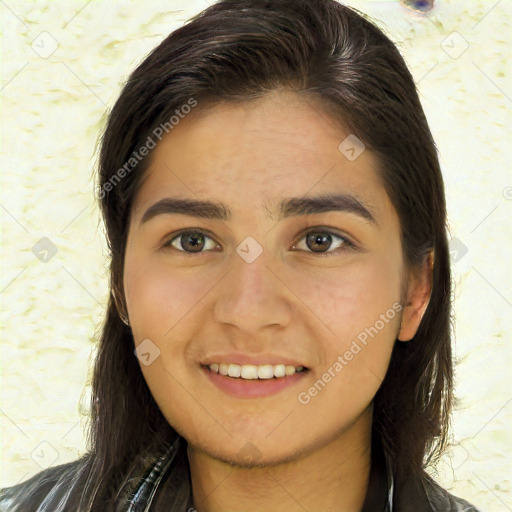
(333, 477)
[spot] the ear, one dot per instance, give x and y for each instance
(120, 305)
(417, 297)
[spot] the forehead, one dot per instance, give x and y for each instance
(252, 154)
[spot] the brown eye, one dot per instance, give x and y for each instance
(191, 242)
(323, 242)
(317, 242)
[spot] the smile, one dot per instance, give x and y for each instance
(253, 372)
(251, 380)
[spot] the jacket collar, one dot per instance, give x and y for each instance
(172, 464)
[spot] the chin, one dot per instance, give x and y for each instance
(250, 455)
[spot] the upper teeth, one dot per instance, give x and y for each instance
(250, 371)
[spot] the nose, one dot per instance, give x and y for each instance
(253, 296)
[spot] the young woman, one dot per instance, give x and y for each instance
(278, 334)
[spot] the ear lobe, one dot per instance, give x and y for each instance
(419, 289)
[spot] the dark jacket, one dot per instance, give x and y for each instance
(51, 489)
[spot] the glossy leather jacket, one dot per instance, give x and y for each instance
(161, 482)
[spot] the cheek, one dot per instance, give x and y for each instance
(362, 310)
(359, 307)
(157, 295)
(351, 298)
(161, 302)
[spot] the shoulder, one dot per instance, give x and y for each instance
(419, 492)
(49, 489)
(442, 500)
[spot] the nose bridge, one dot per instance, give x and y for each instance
(251, 297)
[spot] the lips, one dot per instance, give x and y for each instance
(245, 375)
(248, 386)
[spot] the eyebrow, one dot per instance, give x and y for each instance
(288, 207)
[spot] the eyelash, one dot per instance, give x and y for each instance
(346, 243)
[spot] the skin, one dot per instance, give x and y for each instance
(289, 302)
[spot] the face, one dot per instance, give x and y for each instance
(260, 285)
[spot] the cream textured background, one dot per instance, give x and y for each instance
(52, 109)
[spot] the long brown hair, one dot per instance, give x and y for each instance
(237, 50)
